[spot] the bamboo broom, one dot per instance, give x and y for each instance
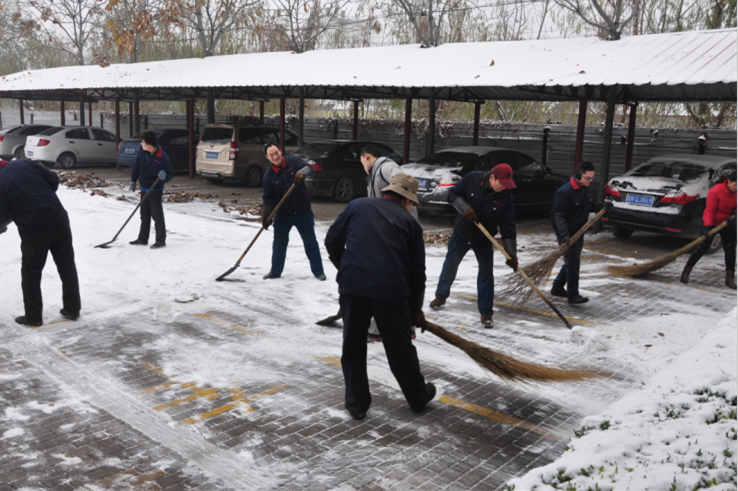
(540, 270)
(649, 267)
(507, 367)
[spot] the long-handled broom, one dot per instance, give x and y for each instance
(522, 273)
(506, 366)
(540, 270)
(649, 267)
(238, 263)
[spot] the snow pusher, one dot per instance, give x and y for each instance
(106, 245)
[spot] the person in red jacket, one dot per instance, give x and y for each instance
(721, 205)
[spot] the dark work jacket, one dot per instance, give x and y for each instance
(495, 210)
(276, 183)
(28, 197)
(378, 249)
(147, 167)
(572, 204)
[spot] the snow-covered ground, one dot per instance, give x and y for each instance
(203, 242)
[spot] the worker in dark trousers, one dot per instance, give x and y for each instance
(572, 204)
(485, 198)
(151, 162)
(720, 206)
(28, 198)
(294, 212)
(378, 249)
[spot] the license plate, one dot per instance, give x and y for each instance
(422, 183)
(211, 155)
(29, 153)
(639, 199)
(129, 150)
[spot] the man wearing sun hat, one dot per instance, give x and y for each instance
(485, 198)
(378, 249)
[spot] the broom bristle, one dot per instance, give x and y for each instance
(538, 272)
(506, 366)
(651, 266)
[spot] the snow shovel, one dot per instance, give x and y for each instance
(106, 245)
(522, 273)
(238, 263)
(328, 321)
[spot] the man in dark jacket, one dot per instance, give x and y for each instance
(485, 198)
(571, 207)
(378, 249)
(294, 212)
(28, 198)
(152, 163)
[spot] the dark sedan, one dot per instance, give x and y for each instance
(437, 172)
(175, 142)
(339, 172)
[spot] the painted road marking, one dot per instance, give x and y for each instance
(224, 323)
(476, 409)
(528, 309)
(211, 394)
(240, 401)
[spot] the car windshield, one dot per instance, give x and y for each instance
(217, 135)
(52, 131)
(450, 159)
(316, 149)
(684, 171)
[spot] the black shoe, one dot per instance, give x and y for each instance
(270, 276)
(72, 316)
(431, 390)
(321, 277)
(357, 415)
(559, 292)
(27, 322)
(158, 245)
(137, 242)
(373, 337)
(578, 299)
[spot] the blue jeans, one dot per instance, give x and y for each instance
(305, 224)
(569, 274)
(457, 249)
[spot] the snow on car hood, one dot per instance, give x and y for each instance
(429, 171)
(660, 185)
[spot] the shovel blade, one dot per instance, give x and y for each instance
(222, 277)
(106, 245)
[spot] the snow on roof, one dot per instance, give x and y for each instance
(684, 66)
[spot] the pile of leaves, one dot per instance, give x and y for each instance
(99, 192)
(438, 239)
(183, 197)
(242, 210)
(82, 181)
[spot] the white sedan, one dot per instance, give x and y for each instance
(68, 146)
(13, 139)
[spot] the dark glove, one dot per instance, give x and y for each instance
(132, 186)
(299, 178)
(513, 263)
(607, 205)
(565, 240)
(418, 320)
(266, 210)
(162, 175)
(470, 215)
(731, 219)
(3, 229)
(706, 229)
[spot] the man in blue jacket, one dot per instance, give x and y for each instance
(28, 198)
(485, 198)
(152, 163)
(294, 212)
(378, 249)
(571, 207)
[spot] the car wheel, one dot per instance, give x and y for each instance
(214, 180)
(716, 244)
(20, 153)
(253, 177)
(622, 233)
(345, 190)
(66, 160)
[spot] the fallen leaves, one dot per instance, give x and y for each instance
(184, 197)
(438, 239)
(82, 181)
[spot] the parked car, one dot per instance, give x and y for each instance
(68, 146)
(174, 141)
(236, 151)
(13, 139)
(437, 172)
(666, 194)
(339, 172)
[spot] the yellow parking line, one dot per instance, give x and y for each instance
(239, 400)
(528, 309)
(224, 323)
(156, 388)
(209, 393)
(495, 416)
(329, 359)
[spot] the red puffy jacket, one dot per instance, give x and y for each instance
(721, 203)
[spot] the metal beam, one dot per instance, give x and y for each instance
(117, 130)
(408, 129)
(606, 148)
(579, 145)
(631, 136)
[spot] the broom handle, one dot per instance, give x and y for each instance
(522, 273)
(584, 228)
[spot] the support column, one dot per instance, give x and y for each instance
(130, 120)
(408, 129)
(430, 147)
(211, 106)
(579, 146)
(356, 120)
(631, 137)
(261, 112)
(301, 119)
(191, 127)
(81, 111)
(117, 129)
(607, 147)
(22, 116)
(475, 131)
(544, 156)
(62, 116)
(89, 112)
(136, 112)
(281, 123)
